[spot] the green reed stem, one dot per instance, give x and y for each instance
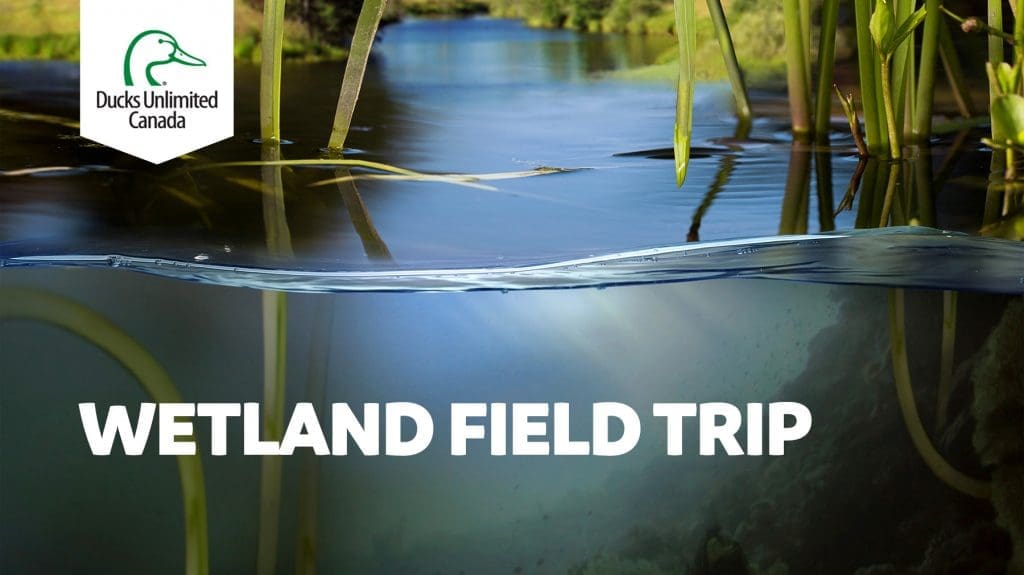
(996, 50)
(307, 536)
(892, 183)
(275, 317)
(362, 41)
(946, 380)
(955, 72)
(274, 314)
(826, 69)
(867, 62)
(933, 24)
(805, 33)
(903, 70)
(686, 36)
(1018, 32)
(796, 69)
(890, 115)
(908, 407)
(22, 303)
(270, 70)
(883, 133)
(732, 65)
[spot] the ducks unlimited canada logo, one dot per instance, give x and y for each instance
(157, 77)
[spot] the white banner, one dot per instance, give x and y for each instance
(157, 78)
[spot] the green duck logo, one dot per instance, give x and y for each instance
(150, 49)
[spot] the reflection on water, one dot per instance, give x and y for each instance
(474, 97)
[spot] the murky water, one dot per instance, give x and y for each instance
(677, 307)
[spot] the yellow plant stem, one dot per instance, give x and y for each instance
(275, 314)
(905, 393)
(30, 304)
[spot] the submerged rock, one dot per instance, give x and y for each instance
(720, 555)
(998, 437)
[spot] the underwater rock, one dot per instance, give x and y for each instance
(720, 555)
(980, 549)
(998, 437)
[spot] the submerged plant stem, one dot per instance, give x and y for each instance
(21, 303)
(362, 41)
(905, 392)
(275, 316)
(946, 380)
(307, 538)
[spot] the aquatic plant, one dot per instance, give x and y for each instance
(905, 393)
(355, 69)
(275, 320)
(270, 70)
(739, 88)
(73, 317)
(309, 475)
(888, 35)
(798, 66)
(686, 36)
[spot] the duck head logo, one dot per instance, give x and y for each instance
(150, 49)
(157, 79)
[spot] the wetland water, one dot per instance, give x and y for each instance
(689, 316)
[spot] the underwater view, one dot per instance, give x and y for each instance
(505, 218)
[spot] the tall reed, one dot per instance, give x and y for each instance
(362, 42)
(275, 318)
(826, 66)
(732, 65)
(797, 76)
(274, 304)
(270, 70)
(922, 128)
(686, 37)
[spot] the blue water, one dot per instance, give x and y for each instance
(483, 96)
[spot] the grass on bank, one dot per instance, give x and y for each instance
(48, 30)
